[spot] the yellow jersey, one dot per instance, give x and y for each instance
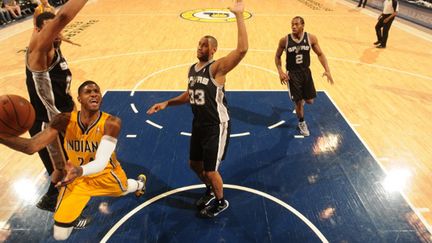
(81, 143)
(41, 9)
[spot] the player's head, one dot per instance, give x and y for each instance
(90, 96)
(297, 24)
(43, 18)
(207, 46)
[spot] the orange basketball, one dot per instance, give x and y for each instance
(16, 115)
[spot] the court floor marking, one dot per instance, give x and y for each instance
(229, 186)
(135, 110)
(276, 124)
(346, 60)
(414, 209)
(154, 124)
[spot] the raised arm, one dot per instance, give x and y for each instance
(41, 140)
(53, 28)
(322, 58)
(222, 66)
(178, 100)
(281, 47)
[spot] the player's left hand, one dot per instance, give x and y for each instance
(73, 172)
(237, 8)
(329, 77)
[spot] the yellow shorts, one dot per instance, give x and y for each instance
(75, 196)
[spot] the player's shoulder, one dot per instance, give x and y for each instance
(112, 120)
(311, 36)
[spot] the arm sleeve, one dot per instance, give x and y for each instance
(103, 154)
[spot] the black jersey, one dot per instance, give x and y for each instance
(297, 53)
(207, 98)
(49, 90)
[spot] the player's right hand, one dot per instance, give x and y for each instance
(72, 172)
(57, 176)
(157, 107)
(283, 78)
(237, 8)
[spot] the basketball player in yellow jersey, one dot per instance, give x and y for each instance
(92, 169)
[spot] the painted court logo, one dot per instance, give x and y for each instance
(213, 15)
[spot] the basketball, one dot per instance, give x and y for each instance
(16, 115)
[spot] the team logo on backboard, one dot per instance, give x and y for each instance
(213, 15)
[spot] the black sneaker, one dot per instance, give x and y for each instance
(380, 46)
(377, 43)
(213, 210)
(47, 203)
(204, 201)
(81, 222)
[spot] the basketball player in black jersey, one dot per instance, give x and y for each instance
(297, 46)
(210, 127)
(48, 82)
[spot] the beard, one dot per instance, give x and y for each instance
(204, 58)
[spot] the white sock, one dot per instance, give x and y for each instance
(62, 233)
(133, 186)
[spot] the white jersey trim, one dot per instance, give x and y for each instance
(43, 87)
(221, 108)
(223, 133)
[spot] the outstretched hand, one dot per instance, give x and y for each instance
(157, 107)
(72, 172)
(237, 8)
(329, 77)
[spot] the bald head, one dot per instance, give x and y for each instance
(212, 41)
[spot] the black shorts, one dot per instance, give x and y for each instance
(209, 144)
(301, 85)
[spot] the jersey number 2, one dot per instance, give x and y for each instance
(299, 59)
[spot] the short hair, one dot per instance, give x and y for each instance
(42, 17)
(213, 40)
(88, 82)
(301, 19)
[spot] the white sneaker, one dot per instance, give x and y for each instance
(303, 128)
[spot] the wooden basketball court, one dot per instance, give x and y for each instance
(386, 94)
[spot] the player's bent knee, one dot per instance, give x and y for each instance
(62, 233)
(209, 174)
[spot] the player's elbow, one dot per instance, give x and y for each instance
(242, 52)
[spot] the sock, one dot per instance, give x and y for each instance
(221, 201)
(209, 189)
(301, 119)
(133, 186)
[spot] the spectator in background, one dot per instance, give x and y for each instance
(385, 20)
(362, 2)
(44, 6)
(4, 15)
(13, 8)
